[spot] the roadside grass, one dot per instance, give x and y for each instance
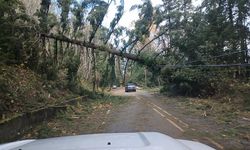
(200, 134)
(221, 120)
(22, 90)
(152, 89)
(221, 112)
(84, 118)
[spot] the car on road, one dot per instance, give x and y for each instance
(130, 87)
(108, 141)
(114, 87)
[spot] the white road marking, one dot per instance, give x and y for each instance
(215, 143)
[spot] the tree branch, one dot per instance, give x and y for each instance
(161, 34)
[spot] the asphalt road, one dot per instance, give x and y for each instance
(142, 114)
(146, 113)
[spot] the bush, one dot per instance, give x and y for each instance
(17, 34)
(189, 82)
(73, 65)
(48, 69)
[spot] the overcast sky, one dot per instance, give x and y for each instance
(130, 16)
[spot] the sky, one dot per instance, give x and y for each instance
(130, 16)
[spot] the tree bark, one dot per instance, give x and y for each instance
(55, 51)
(145, 74)
(93, 70)
(125, 73)
(95, 47)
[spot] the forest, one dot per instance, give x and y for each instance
(64, 65)
(187, 50)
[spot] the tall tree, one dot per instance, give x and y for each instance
(65, 9)
(43, 15)
(79, 13)
(141, 31)
(115, 21)
(16, 31)
(95, 19)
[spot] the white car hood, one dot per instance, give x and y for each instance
(111, 141)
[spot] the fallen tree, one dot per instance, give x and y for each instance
(95, 47)
(134, 57)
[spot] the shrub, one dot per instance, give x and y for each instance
(48, 69)
(73, 64)
(189, 82)
(17, 34)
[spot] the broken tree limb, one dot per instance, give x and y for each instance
(152, 40)
(95, 47)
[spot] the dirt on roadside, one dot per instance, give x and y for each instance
(86, 118)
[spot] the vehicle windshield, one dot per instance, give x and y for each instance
(129, 84)
(76, 67)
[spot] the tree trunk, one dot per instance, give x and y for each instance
(145, 74)
(93, 71)
(125, 73)
(159, 81)
(96, 47)
(112, 73)
(118, 69)
(55, 51)
(242, 37)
